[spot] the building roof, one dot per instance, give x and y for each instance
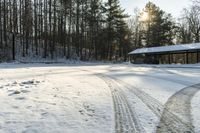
(167, 49)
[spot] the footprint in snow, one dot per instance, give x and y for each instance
(20, 98)
(37, 82)
(10, 90)
(56, 89)
(16, 92)
(81, 112)
(21, 84)
(44, 114)
(7, 85)
(28, 107)
(14, 83)
(28, 82)
(27, 87)
(25, 91)
(30, 130)
(15, 107)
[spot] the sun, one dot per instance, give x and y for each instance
(144, 16)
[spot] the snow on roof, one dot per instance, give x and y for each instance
(163, 49)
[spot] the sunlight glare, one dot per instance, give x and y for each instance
(144, 16)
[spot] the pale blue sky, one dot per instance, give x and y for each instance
(170, 6)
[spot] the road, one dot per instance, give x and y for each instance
(97, 98)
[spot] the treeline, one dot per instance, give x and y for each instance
(84, 29)
(89, 29)
(152, 26)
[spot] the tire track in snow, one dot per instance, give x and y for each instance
(181, 82)
(157, 108)
(186, 83)
(126, 120)
(152, 103)
(169, 122)
(180, 104)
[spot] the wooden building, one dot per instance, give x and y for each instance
(173, 54)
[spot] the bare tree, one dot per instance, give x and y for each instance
(135, 27)
(192, 15)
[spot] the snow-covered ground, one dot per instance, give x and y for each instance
(99, 98)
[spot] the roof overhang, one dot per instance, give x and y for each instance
(173, 49)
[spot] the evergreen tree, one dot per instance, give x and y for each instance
(115, 21)
(157, 26)
(94, 21)
(81, 29)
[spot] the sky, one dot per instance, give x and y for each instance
(170, 6)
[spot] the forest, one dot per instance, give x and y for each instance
(89, 29)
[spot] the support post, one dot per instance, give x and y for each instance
(172, 58)
(169, 58)
(187, 59)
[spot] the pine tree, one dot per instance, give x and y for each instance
(94, 21)
(115, 16)
(157, 26)
(63, 28)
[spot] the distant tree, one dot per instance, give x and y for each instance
(157, 26)
(115, 20)
(1, 28)
(1, 32)
(94, 17)
(27, 23)
(192, 15)
(183, 34)
(134, 26)
(78, 29)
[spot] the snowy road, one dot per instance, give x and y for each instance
(90, 98)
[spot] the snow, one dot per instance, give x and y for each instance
(53, 103)
(77, 97)
(172, 48)
(195, 112)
